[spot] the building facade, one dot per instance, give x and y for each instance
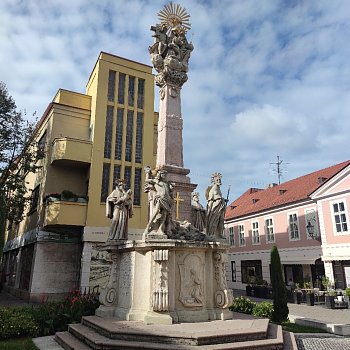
(89, 140)
(298, 217)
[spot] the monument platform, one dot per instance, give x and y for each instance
(242, 332)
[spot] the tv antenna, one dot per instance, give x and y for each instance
(278, 170)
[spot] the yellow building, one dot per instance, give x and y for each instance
(90, 140)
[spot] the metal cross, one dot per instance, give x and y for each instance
(178, 199)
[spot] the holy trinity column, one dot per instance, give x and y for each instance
(170, 56)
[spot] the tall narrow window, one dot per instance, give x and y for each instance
(270, 236)
(111, 85)
(340, 217)
(128, 140)
(131, 91)
(121, 88)
(116, 174)
(119, 134)
(231, 236)
(108, 132)
(105, 181)
(233, 271)
(35, 199)
(127, 177)
(139, 132)
(137, 186)
(255, 232)
(293, 226)
(42, 143)
(140, 93)
(241, 235)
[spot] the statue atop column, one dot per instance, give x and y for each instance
(171, 50)
(119, 209)
(216, 206)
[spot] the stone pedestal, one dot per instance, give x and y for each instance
(170, 149)
(166, 281)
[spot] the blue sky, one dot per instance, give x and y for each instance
(266, 78)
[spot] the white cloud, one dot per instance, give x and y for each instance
(266, 77)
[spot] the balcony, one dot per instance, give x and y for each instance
(65, 213)
(69, 151)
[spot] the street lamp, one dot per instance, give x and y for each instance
(311, 230)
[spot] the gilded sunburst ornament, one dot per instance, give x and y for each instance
(174, 17)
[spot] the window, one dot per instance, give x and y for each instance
(270, 236)
(139, 131)
(108, 132)
(42, 143)
(116, 174)
(255, 232)
(251, 271)
(128, 140)
(340, 220)
(105, 181)
(293, 226)
(127, 177)
(35, 199)
(241, 235)
(121, 88)
(119, 134)
(233, 271)
(231, 236)
(111, 85)
(140, 93)
(137, 186)
(131, 91)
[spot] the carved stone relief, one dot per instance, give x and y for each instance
(223, 296)
(192, 281)
(109, 292)
(160, 295)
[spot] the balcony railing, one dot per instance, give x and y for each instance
(65, 213)
(68, 150)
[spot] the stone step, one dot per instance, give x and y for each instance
(203, 333)
(69, 342)
(93, 340)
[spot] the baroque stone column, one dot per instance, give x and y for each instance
(170, 55)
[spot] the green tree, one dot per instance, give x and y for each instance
(279, 290)
(18, 157)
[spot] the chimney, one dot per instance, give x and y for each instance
(271, 185)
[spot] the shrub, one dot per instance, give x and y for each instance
(46, 318)
(279, 291)
(347, 292)
(17, 322)
(263, 309)
(242, 304)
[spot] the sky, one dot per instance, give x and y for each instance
(266, 78)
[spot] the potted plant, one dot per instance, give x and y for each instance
(310, 295)
(69, 196)
(347, 295)
(329, 299)
(297, 294)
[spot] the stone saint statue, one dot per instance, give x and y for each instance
(119, 209)
(197, 213)
(216, 206)
(161, 201)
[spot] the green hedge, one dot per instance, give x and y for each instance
(246, 306)
(46, 318)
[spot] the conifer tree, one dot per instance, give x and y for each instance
(279, 290)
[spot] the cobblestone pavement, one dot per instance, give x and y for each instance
(322, 342)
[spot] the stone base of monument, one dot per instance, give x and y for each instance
(243, 332)
(166, 281)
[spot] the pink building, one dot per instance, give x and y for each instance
(307, 218)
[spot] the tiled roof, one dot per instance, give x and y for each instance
(255, 200)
